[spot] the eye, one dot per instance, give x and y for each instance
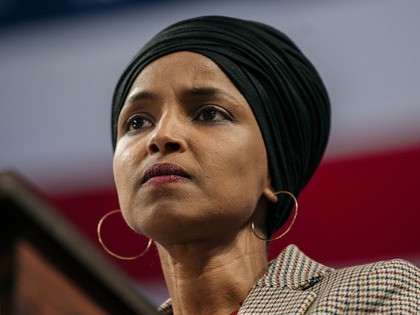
(136, 123)
(212, 114)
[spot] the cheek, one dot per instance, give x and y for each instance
(125, 164)
(238, 167)
(120, 178)
(123, 160)
(125, 199)
(247, 156)
(129, 153)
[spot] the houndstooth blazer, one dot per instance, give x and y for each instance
(295, 284)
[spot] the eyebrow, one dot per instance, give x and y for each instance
(206, 91)
(143, 95)
(188, 92)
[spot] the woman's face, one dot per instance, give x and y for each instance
(190, 163)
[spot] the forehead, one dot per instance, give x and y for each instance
(182, 68)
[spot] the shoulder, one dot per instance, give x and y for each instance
(392, 272)
(296, 282)
(382, 287)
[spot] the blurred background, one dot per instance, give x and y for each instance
(60, 60)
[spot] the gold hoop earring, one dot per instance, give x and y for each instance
(290, 226)
(108, 250)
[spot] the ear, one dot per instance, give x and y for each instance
(270, 195)
(269, 192)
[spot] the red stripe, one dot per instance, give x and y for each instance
(354, 210)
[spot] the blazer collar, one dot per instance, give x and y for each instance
(284, 286)
(293, 269)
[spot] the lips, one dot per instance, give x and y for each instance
(164, 172)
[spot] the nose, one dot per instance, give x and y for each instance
(168, 137)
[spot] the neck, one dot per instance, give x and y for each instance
(213, 278)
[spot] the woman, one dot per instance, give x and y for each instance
(218, 124)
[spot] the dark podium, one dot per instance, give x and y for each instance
(47, 267)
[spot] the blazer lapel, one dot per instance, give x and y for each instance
(285, 288)
(270, 300)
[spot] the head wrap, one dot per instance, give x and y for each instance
(282, 87)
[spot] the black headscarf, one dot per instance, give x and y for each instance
(282, 87)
